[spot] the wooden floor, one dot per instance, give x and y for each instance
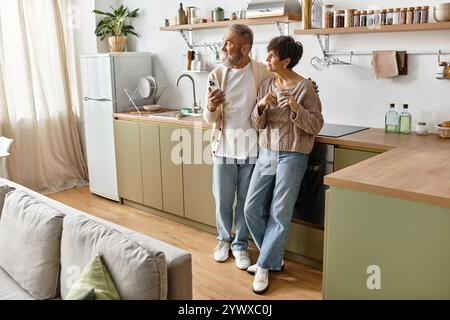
(211, 280)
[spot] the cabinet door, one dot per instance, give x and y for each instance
(346, 157)
(171, 170)
(199, 202)
(151, 165)
(128, 160)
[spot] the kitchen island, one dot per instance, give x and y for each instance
(387, 228)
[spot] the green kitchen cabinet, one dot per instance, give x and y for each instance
(199, 202)
(171, 169)
(345, 157)
(151, 166)
(380, 247)
(128, 160)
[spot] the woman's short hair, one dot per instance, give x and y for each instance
(286, 47)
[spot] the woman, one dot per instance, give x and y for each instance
(287, 116)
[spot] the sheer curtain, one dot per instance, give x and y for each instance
(38, 95)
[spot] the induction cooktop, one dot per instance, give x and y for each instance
(338, 130)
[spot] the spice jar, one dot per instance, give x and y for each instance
(396, 16)
(327, 16)
(383, 16)
(417, 15)
(403, 13)
(377, 17)
(348, 20)
(425, 14)
(370, 20)
(339, 18)
(363, 19)
(356, 19)
(390, 17)
(421, 129)
(410, 16)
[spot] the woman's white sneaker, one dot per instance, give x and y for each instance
(252, 268)
(242, 259)
(261, 281)
(222, 251)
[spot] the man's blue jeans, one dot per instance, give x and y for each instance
(231, 178)
(276, 182)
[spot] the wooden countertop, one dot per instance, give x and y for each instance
(152, 117)
(415, 168)
(411, 167)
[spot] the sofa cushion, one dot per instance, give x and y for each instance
(138, 273)
(30, 238)
(94, 281)
(11, 290)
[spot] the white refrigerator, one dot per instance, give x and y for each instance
(104, 77)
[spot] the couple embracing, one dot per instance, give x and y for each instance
(264, 170)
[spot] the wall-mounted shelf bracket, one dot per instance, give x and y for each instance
(324, 41)
(283, 27)
(188, 36)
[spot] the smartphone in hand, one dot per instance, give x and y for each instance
(214, 85)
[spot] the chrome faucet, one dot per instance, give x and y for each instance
(196, 108)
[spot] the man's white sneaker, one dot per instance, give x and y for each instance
(252, 268)
(242, 259)
(261, 281)
(222, 251)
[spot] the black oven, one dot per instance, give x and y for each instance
(310, 204)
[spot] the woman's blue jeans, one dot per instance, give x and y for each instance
(276, 182)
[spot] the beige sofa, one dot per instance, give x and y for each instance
(44, 246)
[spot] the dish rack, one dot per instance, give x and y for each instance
(443, 132)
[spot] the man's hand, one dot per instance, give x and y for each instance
(215, 99)
(269, 100)
(316, 87)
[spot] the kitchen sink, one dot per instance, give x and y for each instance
(176, 114)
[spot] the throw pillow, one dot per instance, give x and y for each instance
(3, 191)
(95, 277)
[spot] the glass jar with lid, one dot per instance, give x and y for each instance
(403, 14)
(425, 14)
(339, 18)
(390, 17)
(328, 16)
(377, 17)
(396, 16)
(421, 129)
(363, 19)
(383, 16)
(410, 15)
(356, 19)
(370, 20)
(417, 15)
(348, 20)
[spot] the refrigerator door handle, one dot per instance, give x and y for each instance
(92, 99)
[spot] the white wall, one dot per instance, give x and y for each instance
(350, 94)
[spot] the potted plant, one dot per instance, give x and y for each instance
(219, 14)
(114, 26)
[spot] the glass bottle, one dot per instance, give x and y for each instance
(396, 16)
(390, 17)
(339, 18)
(391, 120)
(317, 14)
(356, 17)
(404, 120)
(403, 14)
(363, 19)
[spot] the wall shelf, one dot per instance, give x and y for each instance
(379, 29)
(187, 30)
(224, 24)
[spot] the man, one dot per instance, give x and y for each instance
(233, 145)
(239, 78)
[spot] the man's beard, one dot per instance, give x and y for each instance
(229, 61)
